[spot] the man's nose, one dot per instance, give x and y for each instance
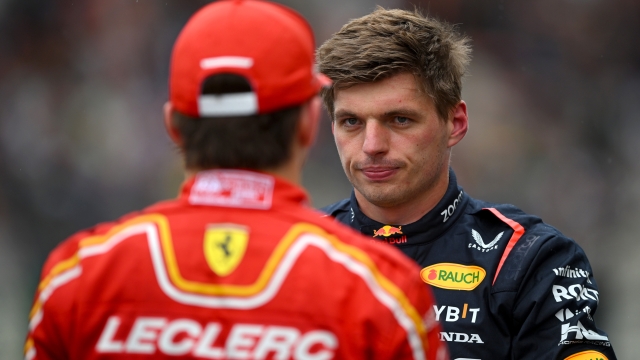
(376, 138)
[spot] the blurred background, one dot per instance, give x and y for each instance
(553, 94)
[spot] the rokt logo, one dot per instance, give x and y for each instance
(587, 355)
(577, 292)
(387, 231)
(453, 276)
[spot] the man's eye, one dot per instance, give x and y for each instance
(402, 120)
(351, 121)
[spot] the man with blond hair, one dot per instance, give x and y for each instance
(238, 266)
(507, 285)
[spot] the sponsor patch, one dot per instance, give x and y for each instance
(579, 332)
(387, 231)
(224, 247)
(454, 313)
(453, 276)
(232, 188)
(574, 273)
(576, 292)
(587, 355)
(393, 240)
(566, 314)
(449, 210)
(480, 244)
(460, 337)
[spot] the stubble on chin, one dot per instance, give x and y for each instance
(396, 193)
(382, 195)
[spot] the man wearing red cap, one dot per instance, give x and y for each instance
(237, 267)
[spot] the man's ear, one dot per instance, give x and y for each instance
(174, 134)
(309, 119)
(459, 123)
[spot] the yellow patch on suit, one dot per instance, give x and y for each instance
(224, 247)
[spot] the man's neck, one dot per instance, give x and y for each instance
(291, 170)
(407, 212)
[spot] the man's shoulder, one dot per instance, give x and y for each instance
(512, 216)
(70, 246)
(527, 228)
(97, 239)
(532, 224)
(533, 245)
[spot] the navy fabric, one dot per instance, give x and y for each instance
(544, 297)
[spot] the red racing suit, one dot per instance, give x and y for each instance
(236, 268)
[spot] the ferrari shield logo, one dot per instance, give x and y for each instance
(224, 247)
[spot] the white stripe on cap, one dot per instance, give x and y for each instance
(226, 61)
(234, 104)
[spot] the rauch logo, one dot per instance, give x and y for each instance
(587, 355)
(453, 276)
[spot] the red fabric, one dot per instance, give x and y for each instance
(103, 295)
(279, 42)
(518, 231)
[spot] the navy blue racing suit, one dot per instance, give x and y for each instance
(507, 285)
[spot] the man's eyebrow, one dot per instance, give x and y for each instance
(393, 112)
(402, 112)
(344, 113)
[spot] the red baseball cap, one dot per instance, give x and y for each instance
(269, 44)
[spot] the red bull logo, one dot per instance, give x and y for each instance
(387, 231)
